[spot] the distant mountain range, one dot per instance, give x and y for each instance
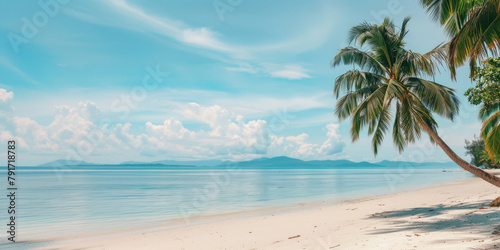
(275, 162)
(205, 163)
(66, 163)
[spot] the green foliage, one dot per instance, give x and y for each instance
(474, 29)
(472, 25)
(479, 155)
(387, 85)
(490, 131)
(487, 93)
(487, 89)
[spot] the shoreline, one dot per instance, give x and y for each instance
(232, 232)
(180, 222)
(187, 217)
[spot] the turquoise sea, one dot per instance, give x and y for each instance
(63, 201)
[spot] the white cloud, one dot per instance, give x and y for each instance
(243, 67)
(226, 135)
(229, 134)
(200, 36)
(7, 136)
(86, 110)
(6, 101)
(35, 136)
(139, 20)
(308, 37)
(215, 116)
(290, 72)
(6, 96)
(197, 36)
(298, 147)
(70, 126)
(334, 143)
(169, 129)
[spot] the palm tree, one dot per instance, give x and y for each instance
(390, 86)
(491, 128)
(474, 28)
(472, 25)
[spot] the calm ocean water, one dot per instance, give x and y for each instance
(54, 202)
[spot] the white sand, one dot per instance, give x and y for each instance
(444, 217)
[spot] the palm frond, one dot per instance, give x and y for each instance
(354, 56)
(472, 25)
(436, 97)
(398, 135)
(487, 111)
(355, 79)
(366, 111)
(490, 132)
(383, 123)
(390, 75)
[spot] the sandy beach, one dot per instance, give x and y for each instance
(452, 216)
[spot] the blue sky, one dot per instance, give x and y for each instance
(113, 81)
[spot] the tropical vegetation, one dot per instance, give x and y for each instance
(473, 27)
(474, 30)
(479, 156)
(487, 93)
(487, 79)
(387, 89)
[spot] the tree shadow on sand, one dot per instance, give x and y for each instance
(477, 217)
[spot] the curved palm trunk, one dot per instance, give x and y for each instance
(461, 162)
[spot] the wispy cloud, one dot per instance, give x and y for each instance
(248, 104)
(248, 57)
(139, 20)
(228, 136)
(291, 72)
(8, 64)
(244, 68)
(193, 36)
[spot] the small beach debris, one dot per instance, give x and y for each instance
(335, 246)
(482, 208)
(417, 235)
(293, 237)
